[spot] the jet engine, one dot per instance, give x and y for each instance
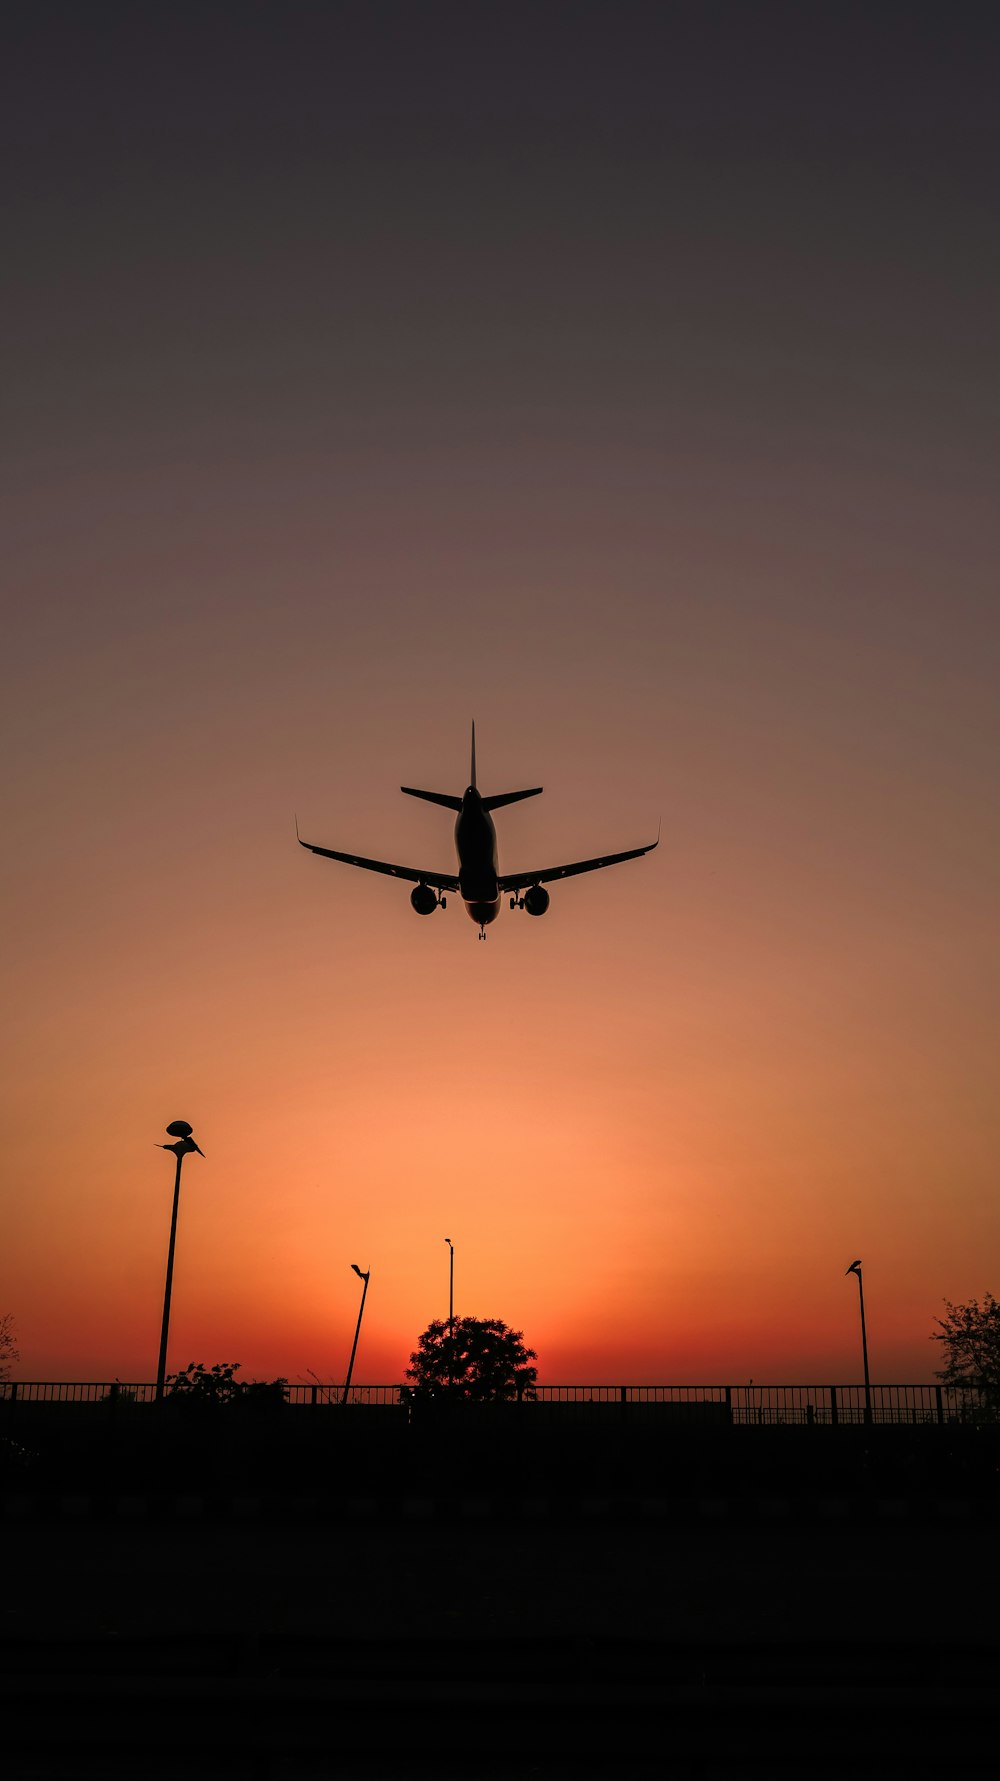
(424, 900)
(536, 900)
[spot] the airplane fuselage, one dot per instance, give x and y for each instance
(476, 846)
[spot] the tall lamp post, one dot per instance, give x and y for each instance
(361, 1312)
(855, 1268)
(181, 1131)
(451, 1312)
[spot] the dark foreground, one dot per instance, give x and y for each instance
(451, 1602)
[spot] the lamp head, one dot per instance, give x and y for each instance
(855, 1268)
(358, 1271)
(179, 1128)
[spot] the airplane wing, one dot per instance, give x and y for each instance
(517, 881)
(445, 881)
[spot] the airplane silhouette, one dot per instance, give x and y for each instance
(478, 880)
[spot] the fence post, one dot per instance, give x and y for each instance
(729, 1403)
(312, 1394)
(833, 1405)
(940, 1403)
(622, 1393)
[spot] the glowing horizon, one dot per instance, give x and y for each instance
(630, 396)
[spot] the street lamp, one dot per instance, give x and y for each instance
(181, 1131)
(451, 1312)
(855, 1268)
(361, 1312)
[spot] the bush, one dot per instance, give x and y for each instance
(218, 1385)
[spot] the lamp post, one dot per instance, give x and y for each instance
(181, 1131)
(855, 1268)
(451, 1312)
(361, 1312)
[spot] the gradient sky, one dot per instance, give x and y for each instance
(621, 376)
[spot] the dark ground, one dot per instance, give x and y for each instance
(454, 1602)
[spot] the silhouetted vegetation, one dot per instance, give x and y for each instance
(118, 1394)
(9, 1351)
(197, 1384)
(971, 1336)
(485, 1360)
(14, 1459)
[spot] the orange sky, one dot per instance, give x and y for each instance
(705, 538)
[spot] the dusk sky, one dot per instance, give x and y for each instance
(623, 377)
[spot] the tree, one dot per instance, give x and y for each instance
(9, 1351)
(486, 1361)
(13, 1457)
(971, 1336)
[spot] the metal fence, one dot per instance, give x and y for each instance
(777, 1404)
(49, 1391)
(743, 1405)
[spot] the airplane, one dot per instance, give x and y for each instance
(478, 881)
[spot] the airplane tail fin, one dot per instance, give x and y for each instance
(501, 798)
(452, 803)
(444, 798)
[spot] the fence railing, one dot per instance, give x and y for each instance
(742, 1405)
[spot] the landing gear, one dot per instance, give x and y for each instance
(517, 902)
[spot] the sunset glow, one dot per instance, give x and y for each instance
(660, 447)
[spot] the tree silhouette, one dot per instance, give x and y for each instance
(971, 1335)
(8, 1345)
(485, 1361)
(198, 1384)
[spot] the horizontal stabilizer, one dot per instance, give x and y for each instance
(502, 798)
(444, 798)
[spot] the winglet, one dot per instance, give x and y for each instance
(472, 781)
